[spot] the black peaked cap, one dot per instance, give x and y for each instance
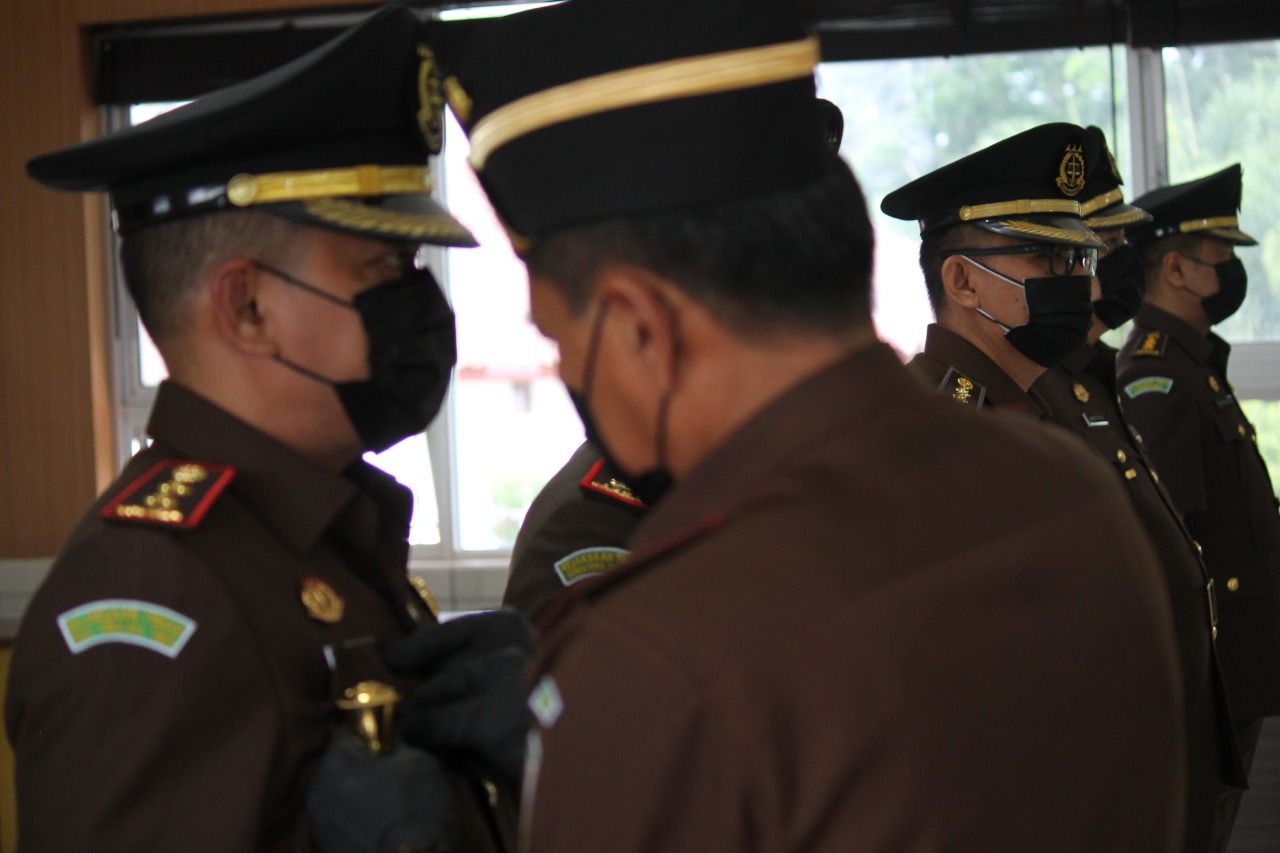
(1026, 186)
(339, 137)
(1102, 203)
(611, 156)
(1207, 207)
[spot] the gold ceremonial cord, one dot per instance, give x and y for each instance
(244, 190)
(1022, 206)
(1205, 224)
(1093, 205)
(645, 84)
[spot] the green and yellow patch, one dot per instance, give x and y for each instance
(135, 623)
(589, 561)
(1149, 385)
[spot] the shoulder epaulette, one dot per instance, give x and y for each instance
(1153, 344)
(599, 482)
(961, 388)
(173, 493)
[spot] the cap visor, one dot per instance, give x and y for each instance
(411, 218)
(1045, 228)
(1231, 235)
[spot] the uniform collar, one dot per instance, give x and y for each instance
(844, 398)
(955, 351)
(1078, 360)
(1206, 349)
(297, 498)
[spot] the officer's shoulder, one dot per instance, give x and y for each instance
(174, 494)
(1147, 344)
(603, 483)
(962, 388)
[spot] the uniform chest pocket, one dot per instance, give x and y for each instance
(1231, 425)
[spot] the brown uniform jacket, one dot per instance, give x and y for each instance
(861, 624)
(1175, 392)
(1080, 395)
(954, 367)
(576, 528)
(169, 687)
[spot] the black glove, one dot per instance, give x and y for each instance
(365, 803)
(472, 696)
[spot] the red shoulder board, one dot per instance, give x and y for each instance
(599, 482)
(174, 493)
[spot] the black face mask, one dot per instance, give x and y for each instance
(1124, 284)
(1233, 285)
(649, 486)
(1059, 313)
(412, 350)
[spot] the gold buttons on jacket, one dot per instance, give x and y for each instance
(1081, 392)
(1121, 457)
(1240, 429)
(1233, 584)
(1213, 384)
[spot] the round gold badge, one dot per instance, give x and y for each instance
(1081, 392)
(322, 601)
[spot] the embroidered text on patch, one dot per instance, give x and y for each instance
(135, 623)
(589, 561)
(1148, 385)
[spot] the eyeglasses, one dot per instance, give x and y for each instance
(1063, 260)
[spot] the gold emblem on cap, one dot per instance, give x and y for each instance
(1071, 171)
(430, 100)
(1081, 392)
(322, 601)
(424, 592)
(1213, 384)
(459, 101)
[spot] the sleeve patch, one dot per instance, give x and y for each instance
(1148, 385)
(173, 493)
(589, 561)
(134, 623)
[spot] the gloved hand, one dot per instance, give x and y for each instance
(365, 803)
(472, 695)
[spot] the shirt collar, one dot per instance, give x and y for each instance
(955, 351)
(1200, 347)
(846, 396)
(297, 498)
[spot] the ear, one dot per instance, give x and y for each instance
(957, 282)
(237, 318)
(642, 328)
(1174, 268)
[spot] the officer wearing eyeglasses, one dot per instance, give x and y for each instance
(1080, 395)
(1007, 263)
